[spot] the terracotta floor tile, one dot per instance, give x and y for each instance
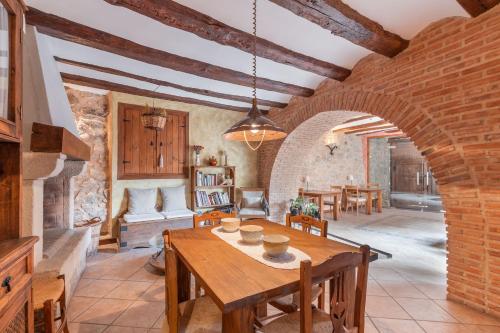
(121, 329)
(437, 327)
(375, 289)
(432, 290)
(385, 274)
(104, 311)
(466, 314)
(159, 321)
(155, 293)
(121, 272)
(401, 289)
(385, 325)
(147, 274)
(155, 330)
(129, 290)
(369, 327)
(384, 307)
(78, 305)
(141, 314)
(86, 328)
(425, 309)
(95, 288)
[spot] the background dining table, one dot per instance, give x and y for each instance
(237, 283)
(321, 195)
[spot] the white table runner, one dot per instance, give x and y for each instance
(290, 260)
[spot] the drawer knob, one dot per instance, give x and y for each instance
(6, 283)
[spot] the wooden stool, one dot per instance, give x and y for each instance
(48, 290)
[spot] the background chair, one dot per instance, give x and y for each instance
(210, 218)
(252, 203)
(353, 198)
(331, 203)
(374, 198)
(291, 303)
(198, 315)
(347, 276)
(49, 303)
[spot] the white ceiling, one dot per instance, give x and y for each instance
(275, 24)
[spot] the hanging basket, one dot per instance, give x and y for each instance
(154, 119)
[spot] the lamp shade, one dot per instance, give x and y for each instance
(254, 127)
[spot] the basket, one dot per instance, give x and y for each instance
(156, 119)
(95, 228)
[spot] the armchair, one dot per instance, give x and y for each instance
(252, 203)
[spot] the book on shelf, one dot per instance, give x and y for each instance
(205, 199)
(210, 179)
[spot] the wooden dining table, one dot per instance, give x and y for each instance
(237, 283)
(370, 191)
(321, 195)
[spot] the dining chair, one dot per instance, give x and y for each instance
(291, 303)
(331, 203)
(374, 197)
(198, 315)
(211, 218)
(347, 276)
(354, 199)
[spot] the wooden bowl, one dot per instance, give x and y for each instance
(230, 224)
(275, 245)
(251, 233)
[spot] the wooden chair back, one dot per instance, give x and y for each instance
(307, 223)
(211, 218)
(171, 291)
(352, 190)
(347, 274)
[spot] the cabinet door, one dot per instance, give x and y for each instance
(146, 153)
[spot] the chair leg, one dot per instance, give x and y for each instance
(49, 316)
(321, 297)
(197, 289)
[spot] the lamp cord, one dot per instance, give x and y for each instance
(254, 49)
(248, 142)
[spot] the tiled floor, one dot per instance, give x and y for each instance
(406, 294)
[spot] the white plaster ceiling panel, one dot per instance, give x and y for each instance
(407, 17)
(127, 24)
(77, 52)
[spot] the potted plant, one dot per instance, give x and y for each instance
(311, 209)
(297, 205)
(197, 150)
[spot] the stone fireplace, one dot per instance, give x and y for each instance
(48, 186)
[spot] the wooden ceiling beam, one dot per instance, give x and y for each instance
(106, 85)
(204, 92)
(372, 129)
(62, 28)
(358, 119)
(175, 15)
(365, 126)
(347, 23)
(477, 7)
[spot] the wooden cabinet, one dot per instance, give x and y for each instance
(147, 153)
(16, 270)
(11, 29)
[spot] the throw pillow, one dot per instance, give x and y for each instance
(174, 198)
(142, 201)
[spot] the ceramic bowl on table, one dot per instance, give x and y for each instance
(275, 245)
(230, 224)
(251, 233)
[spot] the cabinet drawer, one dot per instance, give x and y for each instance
(16, 276)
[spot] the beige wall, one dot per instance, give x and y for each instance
(206, 126)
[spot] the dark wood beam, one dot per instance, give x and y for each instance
(477, 7)
(386, 134)
(347, 23)
(106, 85)
(357, 119)
(372, 129)
(204, 92)
(62, 28)
(175, 15)
(367, 125)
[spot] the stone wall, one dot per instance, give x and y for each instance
(379, 167)
(93, 186)
(443, 93)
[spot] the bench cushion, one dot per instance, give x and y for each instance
(131, 218)
(177, 213)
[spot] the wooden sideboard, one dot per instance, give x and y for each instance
(16, 270)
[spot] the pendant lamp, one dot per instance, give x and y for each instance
(255, 128)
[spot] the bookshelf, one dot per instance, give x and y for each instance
(207, 192)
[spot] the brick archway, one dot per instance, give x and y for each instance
(443, 93)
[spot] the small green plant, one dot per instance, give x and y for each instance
(311, 209)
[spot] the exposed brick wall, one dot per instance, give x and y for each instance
(444, 93)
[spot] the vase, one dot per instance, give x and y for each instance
(197, 159)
